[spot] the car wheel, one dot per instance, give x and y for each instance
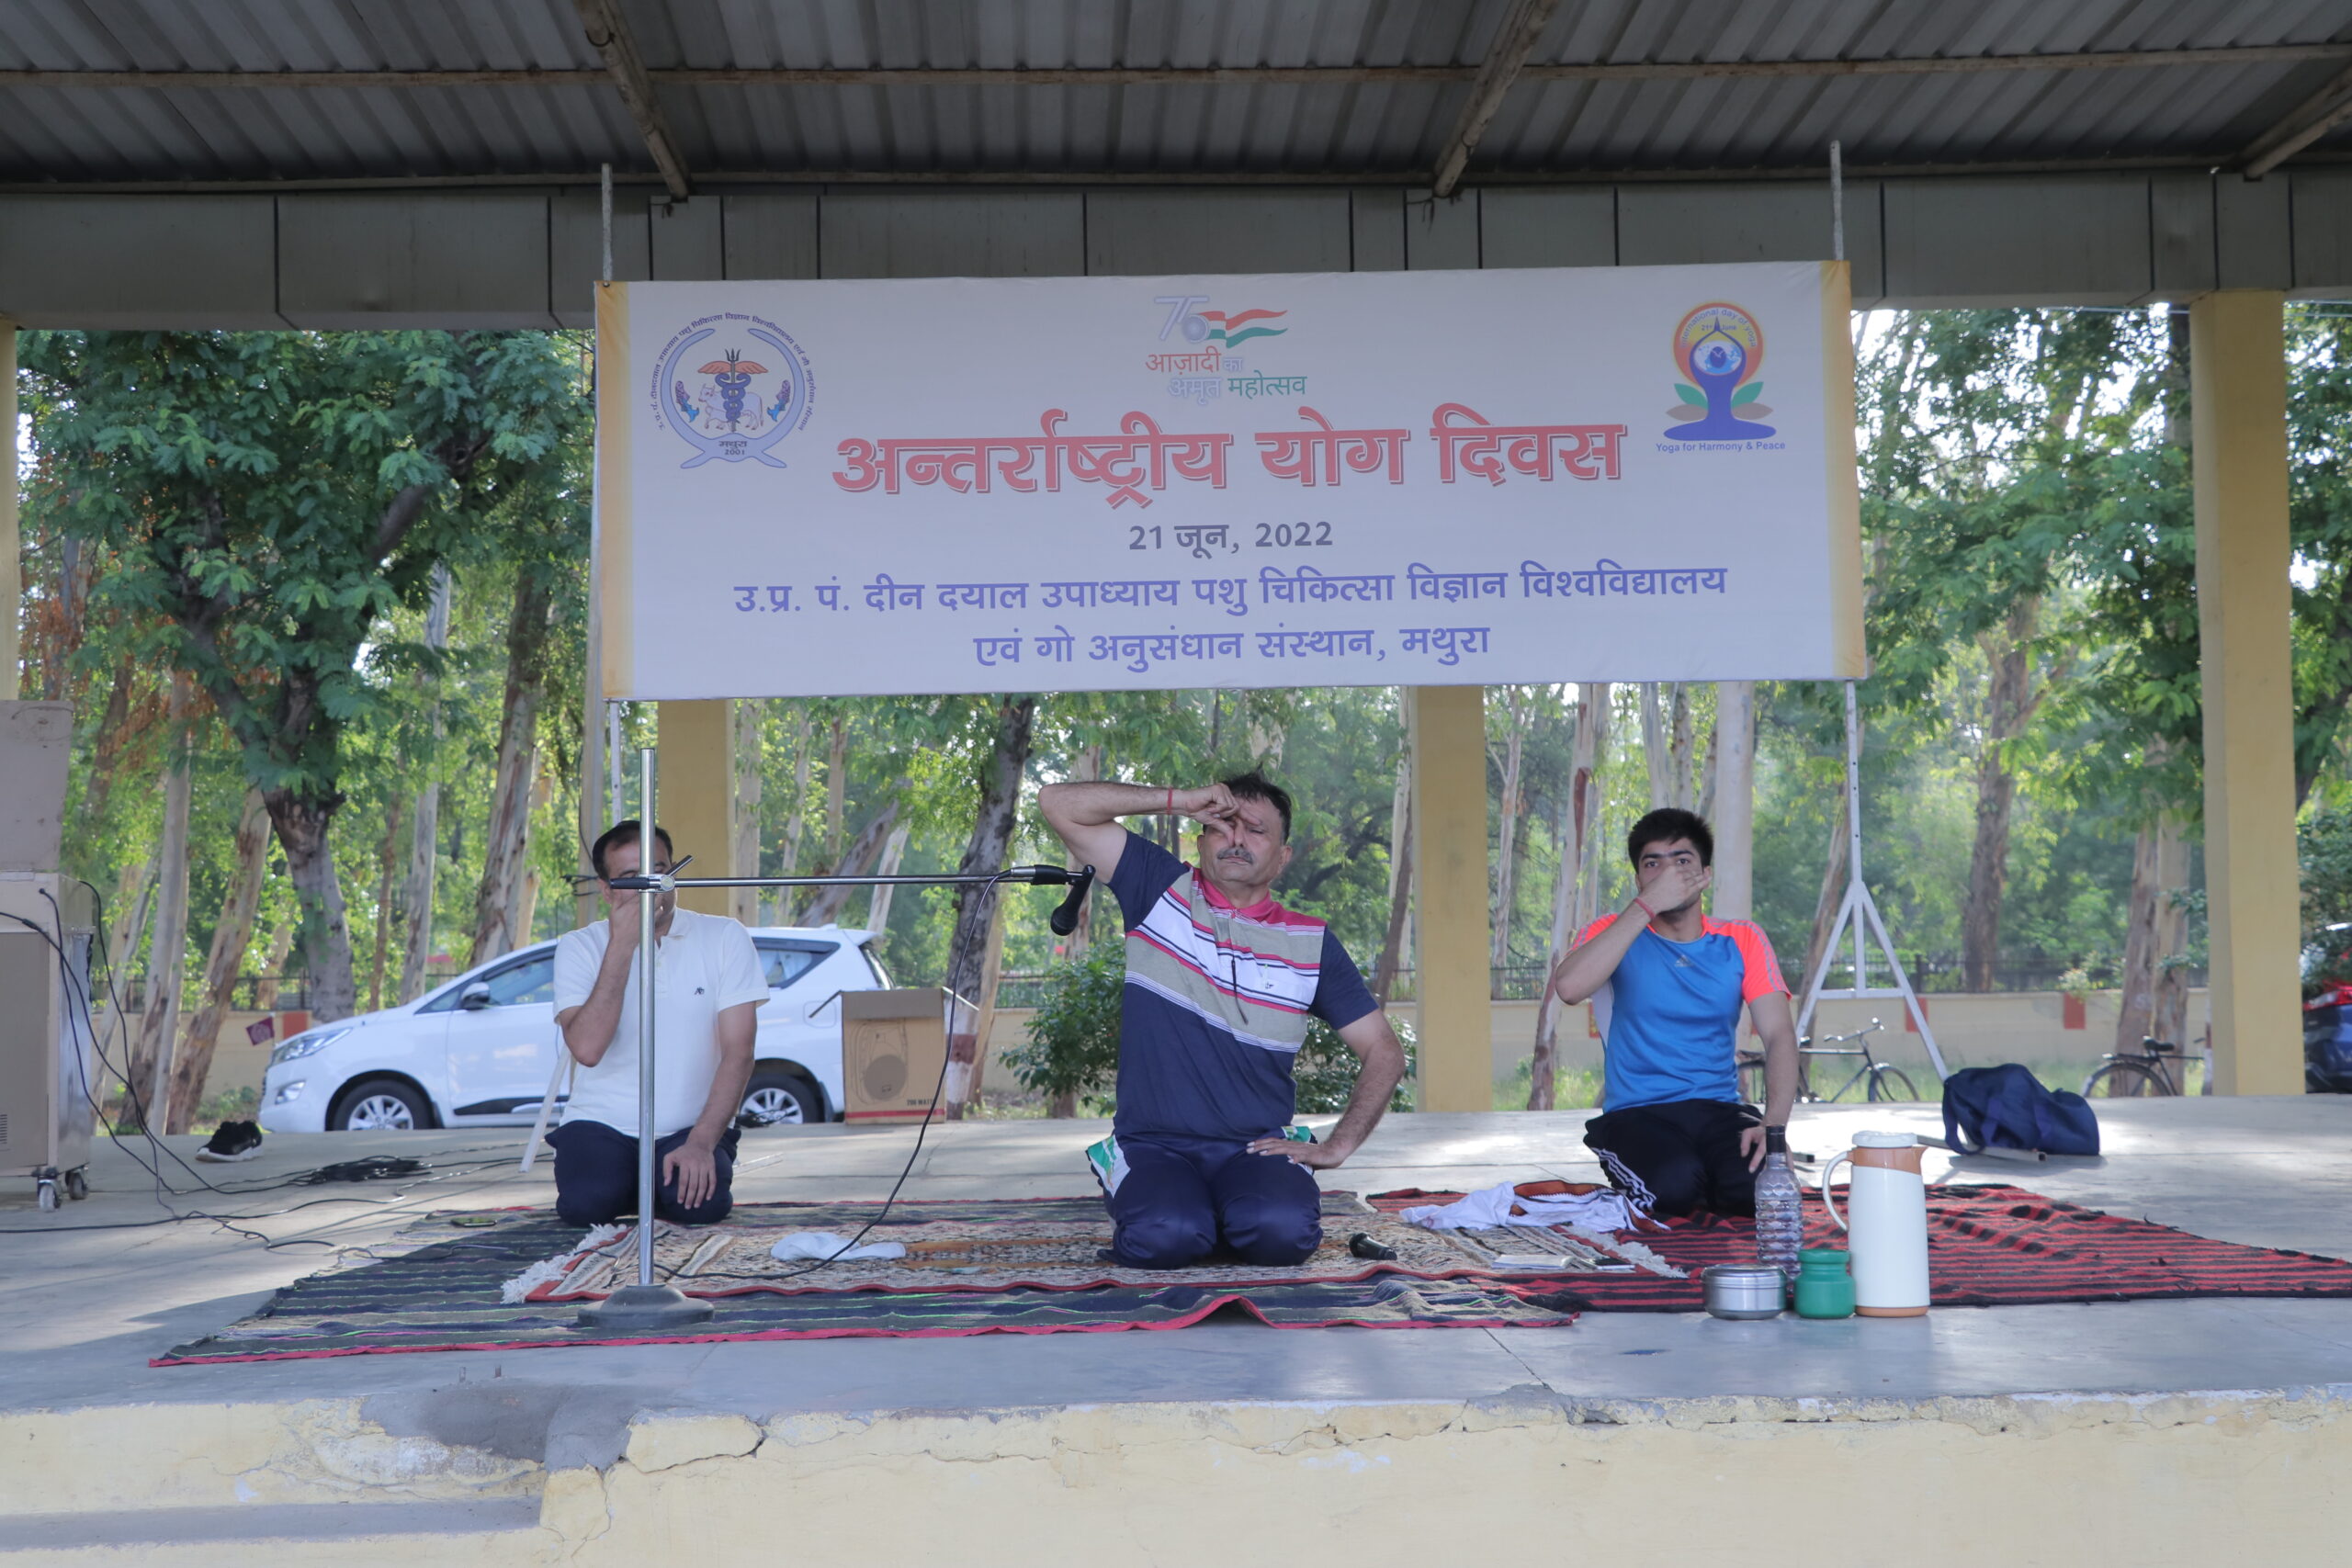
(379, 1105)
(778, 1097)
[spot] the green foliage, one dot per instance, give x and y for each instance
(1326, 1070)
(1073, 1045)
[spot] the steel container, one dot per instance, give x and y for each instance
(1745, 1289)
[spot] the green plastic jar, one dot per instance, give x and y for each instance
(1824, 1288)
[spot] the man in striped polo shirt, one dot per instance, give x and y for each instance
(1221, 984)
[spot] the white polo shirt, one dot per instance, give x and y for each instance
(705, 965)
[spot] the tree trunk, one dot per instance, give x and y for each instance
(796, 825)
(1518, 711)
(1732, 813)
(836, 789)
(2155, 994)
(2008, 704)
(749, 723)
(1400, 873)
(167, 959)
(1832, 898)
(387, 860)
(1578, 839)
(281, 943)
(424, 838)
(992, 971)
(132, 894)
(114, 732)
(1654, 748)
(1086, 767)
(999, 806)
(877, 914)
(302, 827)
(825, 907)
(193, 1062)
(506, 841)
(1683, 748)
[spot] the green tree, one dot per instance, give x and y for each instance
(268, 499)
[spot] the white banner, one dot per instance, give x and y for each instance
(1362, 479)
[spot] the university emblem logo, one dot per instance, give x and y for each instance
(1721, 348)
(734, 392)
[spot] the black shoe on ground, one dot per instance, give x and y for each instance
(233, 1141)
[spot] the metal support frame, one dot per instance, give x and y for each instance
(1859, 906)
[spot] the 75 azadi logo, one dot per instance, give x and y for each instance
(1224, 328)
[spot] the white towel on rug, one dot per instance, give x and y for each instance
(825, 1247)
(1604, 1210)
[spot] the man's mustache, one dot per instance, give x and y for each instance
(1236, 852)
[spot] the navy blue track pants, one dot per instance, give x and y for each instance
(1183, 1197)
(595, 1176)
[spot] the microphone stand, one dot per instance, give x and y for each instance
(647, 1307)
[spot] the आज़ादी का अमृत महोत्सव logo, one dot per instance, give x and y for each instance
(1721, 348)
(731, 386)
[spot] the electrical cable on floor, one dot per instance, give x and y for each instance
(369, 1168)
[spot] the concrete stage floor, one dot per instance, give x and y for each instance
(427, 1442)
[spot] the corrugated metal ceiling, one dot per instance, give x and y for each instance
(1375, 128)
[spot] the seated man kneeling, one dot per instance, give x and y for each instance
(1221, 982)
(709, 986)
(1667, 983)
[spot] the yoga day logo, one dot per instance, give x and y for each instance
(731, 386)
(1721, 348)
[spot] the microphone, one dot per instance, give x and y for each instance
(1065, 920)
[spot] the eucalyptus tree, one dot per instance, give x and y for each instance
(267, 500)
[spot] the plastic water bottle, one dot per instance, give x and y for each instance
(1780, 1211)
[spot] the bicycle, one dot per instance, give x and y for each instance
(1884, 1081)
(2140, 1075)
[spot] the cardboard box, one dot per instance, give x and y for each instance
(894, 1044)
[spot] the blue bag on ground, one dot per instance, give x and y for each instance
(2007, 1108)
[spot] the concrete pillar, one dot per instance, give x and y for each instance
(12, 571)
(1732, 896)
(695, 794)
(1449, 729)
(2238, 403)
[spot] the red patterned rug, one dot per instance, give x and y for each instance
(1988, 1245)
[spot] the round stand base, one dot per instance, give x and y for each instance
(644, 1309)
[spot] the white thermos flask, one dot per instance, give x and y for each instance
(1887, 1238)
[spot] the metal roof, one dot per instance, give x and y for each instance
(503, 91)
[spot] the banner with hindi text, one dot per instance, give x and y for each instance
(842, 488)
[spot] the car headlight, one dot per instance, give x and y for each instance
(309, 1043)
(287, 1092)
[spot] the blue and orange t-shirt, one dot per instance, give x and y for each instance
(1218, 1001)
(1669, 1015)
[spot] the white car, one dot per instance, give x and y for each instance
(478, 1051)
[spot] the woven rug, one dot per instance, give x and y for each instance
(1049, 1244)
(1027, 1267)
(1988, 1246)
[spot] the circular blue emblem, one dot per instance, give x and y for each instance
(732, 390)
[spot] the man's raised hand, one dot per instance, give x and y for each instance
(1214, 803)
(1675, 887)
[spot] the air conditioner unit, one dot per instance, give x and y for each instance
(49, 1075)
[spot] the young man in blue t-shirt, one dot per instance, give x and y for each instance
(1667, 984)
(1221, 984)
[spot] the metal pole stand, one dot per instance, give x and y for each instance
(1858, 912)
(645, 1307)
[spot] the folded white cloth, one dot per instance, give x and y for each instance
(1604, 1210)
(829, 1247)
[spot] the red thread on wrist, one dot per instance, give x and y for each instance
(1647, 913)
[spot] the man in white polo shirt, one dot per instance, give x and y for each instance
(708, 985)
